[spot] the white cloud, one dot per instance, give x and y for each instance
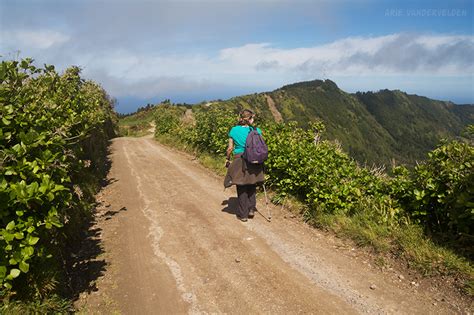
(31, 39)
(261, 64)
(384, 55)
(126, 71)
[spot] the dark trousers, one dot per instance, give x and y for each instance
(247, 201)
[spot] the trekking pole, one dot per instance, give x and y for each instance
(269, 210)
(269, 218)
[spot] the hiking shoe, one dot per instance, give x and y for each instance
(251, 213)
(242, 219)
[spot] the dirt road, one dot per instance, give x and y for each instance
(173, 245)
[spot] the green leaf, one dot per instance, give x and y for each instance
(33, 240)
(24, 64)
(19, 235)
(28, 251)
(14, 273)
(8, 237)
(58, 188)
(43, 188)
(10, 226)
(32, 188)
(24, 266)
(5, 121)
(56, 223)
(3, 71)
(3, 272)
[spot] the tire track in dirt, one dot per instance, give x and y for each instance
(156, 233)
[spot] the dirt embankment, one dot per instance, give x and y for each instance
(271, 105)
(173, 245)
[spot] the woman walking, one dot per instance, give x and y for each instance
(244, 175)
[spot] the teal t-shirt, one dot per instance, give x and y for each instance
(239, 135)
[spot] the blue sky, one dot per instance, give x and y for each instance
(190, 51)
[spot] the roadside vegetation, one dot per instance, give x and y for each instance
(54, 132)
(138, 123)
(422, 215)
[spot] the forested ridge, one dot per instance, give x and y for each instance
(382, 128)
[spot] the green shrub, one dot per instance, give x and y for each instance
(439, 192)
(53, 132)
(167, 118)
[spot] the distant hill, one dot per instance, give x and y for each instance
(416, 123)
(374, 127)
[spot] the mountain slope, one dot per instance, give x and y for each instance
(346, 119)
(375, 128)
(416, 123)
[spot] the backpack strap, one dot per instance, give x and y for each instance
(250, 129)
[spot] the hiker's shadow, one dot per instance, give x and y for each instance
(231, 205)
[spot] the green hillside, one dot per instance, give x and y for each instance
(416, 123)
(375, 128)
(345, 118)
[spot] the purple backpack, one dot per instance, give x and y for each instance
(256, 150)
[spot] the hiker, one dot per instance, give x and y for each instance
(241, 173)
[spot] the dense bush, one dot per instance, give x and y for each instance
(211, 129)
(439, 192)
(167, 118)
(53, 136)
(321, 174)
